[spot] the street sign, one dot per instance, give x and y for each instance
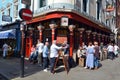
(25, 14)
(6, 18)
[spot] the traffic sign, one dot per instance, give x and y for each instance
(25, 14)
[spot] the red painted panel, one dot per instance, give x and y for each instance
(61, 39)
(69, 15)
(28, 47)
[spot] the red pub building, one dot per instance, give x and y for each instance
(65, 24)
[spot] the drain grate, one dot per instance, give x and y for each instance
(3, 77)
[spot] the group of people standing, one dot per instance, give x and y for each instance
(92, 53)
(43, 54)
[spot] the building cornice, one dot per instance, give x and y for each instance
(82, 14)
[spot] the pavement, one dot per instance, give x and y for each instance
(10, 68)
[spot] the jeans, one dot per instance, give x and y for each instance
(52, 64)
(39, 58)
(33, 56)
(111, 55)
(45, 62)
(96, 62)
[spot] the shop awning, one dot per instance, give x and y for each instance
(8, 34)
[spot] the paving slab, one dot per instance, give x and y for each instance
(109, 70)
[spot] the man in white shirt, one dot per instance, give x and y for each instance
(5, 50)
(40, 46)
(116, 49)
(53, 55)
(110, 50)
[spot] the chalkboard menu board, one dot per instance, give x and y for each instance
(64, 60)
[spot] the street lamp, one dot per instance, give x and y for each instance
(71, 27)
(22, 29)
(40, 27)
(30, 29)
(53, 26)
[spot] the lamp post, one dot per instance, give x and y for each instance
(22, 29)
(99, 38)
(40, 28)
(30, 29)
(53, 26)
(29, 40)
(71, 29)
(88, 35)
(81, 30)
(94, 35)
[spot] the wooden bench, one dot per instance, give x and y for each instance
(64, 60)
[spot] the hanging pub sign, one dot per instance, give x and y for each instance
(25, 14)
(64, 21)
(109, 8)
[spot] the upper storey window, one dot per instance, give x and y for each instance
(99, 4)
(42, 3)
(85, 5)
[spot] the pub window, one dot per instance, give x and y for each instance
(98, 8)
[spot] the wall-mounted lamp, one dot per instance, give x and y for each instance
(40, 27)
(52, 24)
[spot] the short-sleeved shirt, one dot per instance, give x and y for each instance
(40, 47)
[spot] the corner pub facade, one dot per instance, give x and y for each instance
(71, 20)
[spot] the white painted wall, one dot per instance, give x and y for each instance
(60, 1)
(36, 4)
